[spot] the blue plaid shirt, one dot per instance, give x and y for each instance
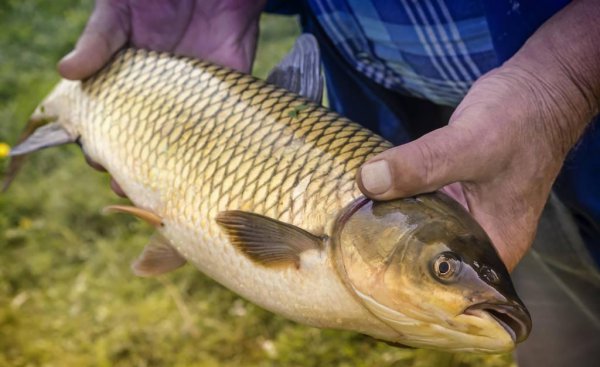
(432, 49)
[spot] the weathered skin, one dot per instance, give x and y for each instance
(188, 140)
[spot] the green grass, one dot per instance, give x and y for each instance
(67, 297)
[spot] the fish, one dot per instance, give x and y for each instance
(253, 182)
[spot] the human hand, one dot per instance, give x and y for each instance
(221, 31)
(504, 165)
(508, 138)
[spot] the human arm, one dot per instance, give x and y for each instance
(508, 138)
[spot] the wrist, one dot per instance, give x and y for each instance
(561, 104)
(517, 125)
(548, 105)
(559, 65)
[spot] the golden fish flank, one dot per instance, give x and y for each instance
(255, 186)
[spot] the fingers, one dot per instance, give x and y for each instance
(105, 32)
(95, 165)
(508, 212)
(427, 164)
(113, 184)
(233, 29)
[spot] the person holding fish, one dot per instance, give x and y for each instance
(517, 82)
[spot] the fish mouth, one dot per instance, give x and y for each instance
(514, 318)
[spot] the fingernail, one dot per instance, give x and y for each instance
(67, 56)
(376, 177)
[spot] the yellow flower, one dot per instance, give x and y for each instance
(25, 223)
(4, 149)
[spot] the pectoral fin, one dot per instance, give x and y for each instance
(38, 134)
(300, 70)
(158, 257)
(145, 215)
(49, 135)
(267, 241)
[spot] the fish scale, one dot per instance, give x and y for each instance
(271, 139)
(187, 140)
(254, 185)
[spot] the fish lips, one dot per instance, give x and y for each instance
(513, 317)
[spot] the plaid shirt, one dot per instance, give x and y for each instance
(432, 49)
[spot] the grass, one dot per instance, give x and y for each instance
(67, 297)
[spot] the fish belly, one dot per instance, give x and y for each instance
(187, 139)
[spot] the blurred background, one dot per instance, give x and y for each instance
(67, 296)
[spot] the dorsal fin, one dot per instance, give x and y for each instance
(143, 214)
(267, 241)
(158, 257)
(300, 70)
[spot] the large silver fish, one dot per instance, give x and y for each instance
(254, 185)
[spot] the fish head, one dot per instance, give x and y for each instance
(426, 269)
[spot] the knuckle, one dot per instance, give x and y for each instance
(415, 170)
(426, 168)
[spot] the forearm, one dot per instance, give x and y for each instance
(560, 63)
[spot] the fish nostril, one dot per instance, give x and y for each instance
(489, 275)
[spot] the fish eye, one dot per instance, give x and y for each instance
(446, 265)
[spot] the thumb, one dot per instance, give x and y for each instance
(443, 156)
(105, 32)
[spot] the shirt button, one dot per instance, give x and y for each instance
(364, 57)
